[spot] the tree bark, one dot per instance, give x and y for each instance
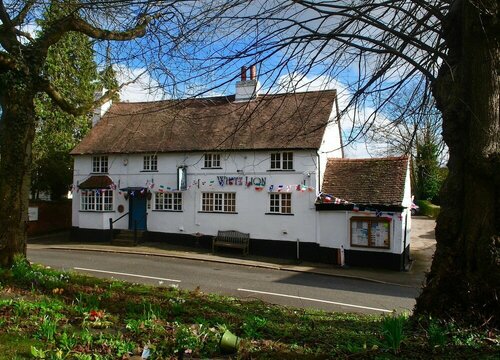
(17, 130)
(464, 280)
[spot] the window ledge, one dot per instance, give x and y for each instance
(97, 211)
(99, 173)
(148, 171)
(283, 214)
(177, 211)
(281, 170)
(211, 168)
(217, 212)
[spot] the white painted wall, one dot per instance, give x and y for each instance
(328, 228)
(335, 227)
(330, 144)
(251, 205)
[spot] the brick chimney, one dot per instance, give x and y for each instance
(253, 72)
(247, 89)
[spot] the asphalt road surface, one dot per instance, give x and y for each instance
(273, 286)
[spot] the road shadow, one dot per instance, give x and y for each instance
(351, 285)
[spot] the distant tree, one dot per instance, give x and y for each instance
(411, 125)
(428, 178)
(71, 67)
(107, 77)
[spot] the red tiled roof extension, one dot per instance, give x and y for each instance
(281, 121)
(376, 181)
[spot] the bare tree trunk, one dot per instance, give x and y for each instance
(464, 281)
(17, 130)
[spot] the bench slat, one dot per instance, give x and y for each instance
(233, 239)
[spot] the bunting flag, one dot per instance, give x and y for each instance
(367, 210)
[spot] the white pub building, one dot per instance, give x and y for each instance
(272, 166)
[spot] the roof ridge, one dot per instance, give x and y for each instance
(403, 157)
(221, 97)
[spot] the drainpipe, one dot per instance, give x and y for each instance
(298, 250)
(348, 229)
(404, 243)
(319, 173)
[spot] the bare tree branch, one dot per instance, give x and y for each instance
(61, 101)
(18, 20)
(74, 23)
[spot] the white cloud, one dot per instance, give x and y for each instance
(31, 29)
(357, 145)
(142, 86)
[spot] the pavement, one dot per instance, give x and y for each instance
(423, 245)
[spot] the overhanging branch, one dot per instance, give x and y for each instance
(18, 20)
(73, 23)
(65, 105)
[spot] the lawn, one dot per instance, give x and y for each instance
(48, 314)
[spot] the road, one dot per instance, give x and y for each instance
(273, 286)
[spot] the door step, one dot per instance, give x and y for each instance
(126, 238)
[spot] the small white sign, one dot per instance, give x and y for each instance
(33, 213)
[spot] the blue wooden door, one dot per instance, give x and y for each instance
(137, 213)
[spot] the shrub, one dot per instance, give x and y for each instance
(428, 209)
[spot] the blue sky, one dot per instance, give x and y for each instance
(206, 62)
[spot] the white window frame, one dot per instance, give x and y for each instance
(280, 203)
(100, 164)
(98, 200)
(168, 201)
(223, 202)
(211, 161)
(150, 163)
(282, 160)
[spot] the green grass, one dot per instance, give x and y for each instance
(68, 316)
(13, 346)
(428, 209)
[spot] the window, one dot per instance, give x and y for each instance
(100, 164)
(370, 232)
(282, 161)
(150, 163)
(96, 200)
(280, 203)
(218, 202)
(212, 161)
(168, 201)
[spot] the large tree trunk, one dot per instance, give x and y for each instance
(464, 281)
(17, 130)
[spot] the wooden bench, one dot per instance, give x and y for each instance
(232, 239)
